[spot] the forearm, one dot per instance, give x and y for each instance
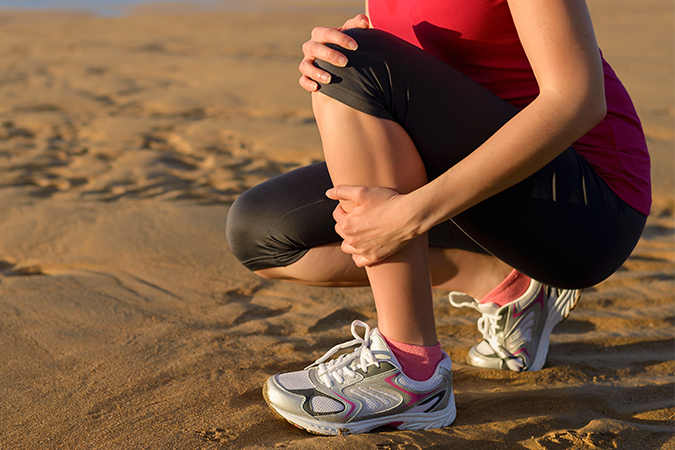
(529, 141)
(557, 36)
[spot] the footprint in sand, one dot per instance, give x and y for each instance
(10, 268)
(572, 439)
(214, 435)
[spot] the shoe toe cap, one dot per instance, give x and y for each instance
(482, 355)
(280, 398)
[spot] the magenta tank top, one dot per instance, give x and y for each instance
(479, 39)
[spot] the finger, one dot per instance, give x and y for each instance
(317, 50)
(333, 36)
(339, 215)
(308, 69)
(359, 21)
(346, 248)
(360, 261)
(340, 231)
(308, 84)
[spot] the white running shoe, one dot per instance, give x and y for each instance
(362, 390)
(516, 336)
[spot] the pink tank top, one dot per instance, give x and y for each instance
(479, 39)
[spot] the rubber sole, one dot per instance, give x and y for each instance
(403, 421)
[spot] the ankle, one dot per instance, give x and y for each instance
(418, 362)
(512, 287)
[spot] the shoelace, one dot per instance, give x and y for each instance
(487, 325)
(337, 369)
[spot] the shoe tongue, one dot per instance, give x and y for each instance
(461, 300)
(488, 308)
(379, 346)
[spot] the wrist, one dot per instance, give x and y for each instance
(425, 211)
(415, 214)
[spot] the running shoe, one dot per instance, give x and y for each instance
(362, 390)
(516, 335)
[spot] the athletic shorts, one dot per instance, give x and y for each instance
(563, 225)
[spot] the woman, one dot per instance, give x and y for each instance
(483, 147)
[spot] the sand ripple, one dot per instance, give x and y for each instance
(125, 322)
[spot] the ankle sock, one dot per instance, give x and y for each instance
(417, 361)
(508, 290)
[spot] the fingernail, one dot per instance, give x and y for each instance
(352, 45)
(325, 78)
(342, 61)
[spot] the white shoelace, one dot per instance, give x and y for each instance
(487, 325)
(336, 370)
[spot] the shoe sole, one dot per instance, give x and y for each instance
(403, 421)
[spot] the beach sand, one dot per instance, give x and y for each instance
(125, 322)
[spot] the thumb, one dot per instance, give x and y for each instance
(348, 193)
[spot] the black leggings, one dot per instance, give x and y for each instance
(563, 225)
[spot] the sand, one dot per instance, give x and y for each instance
(125, 322)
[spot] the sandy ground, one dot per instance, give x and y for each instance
(125, 322)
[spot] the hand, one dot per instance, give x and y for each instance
(378, 225)
(316, 48)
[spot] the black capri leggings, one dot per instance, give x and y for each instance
(563, 225)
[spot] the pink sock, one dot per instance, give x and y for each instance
(508, 290)
(417, 361)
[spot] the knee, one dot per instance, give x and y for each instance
(241, 230)
(260, 234)
(373, 41)
(250, 221)
(367, 82)
(369, 54)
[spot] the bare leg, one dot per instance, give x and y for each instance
(325, 265)
(364, 150)
(452, 270)
(473, 273)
